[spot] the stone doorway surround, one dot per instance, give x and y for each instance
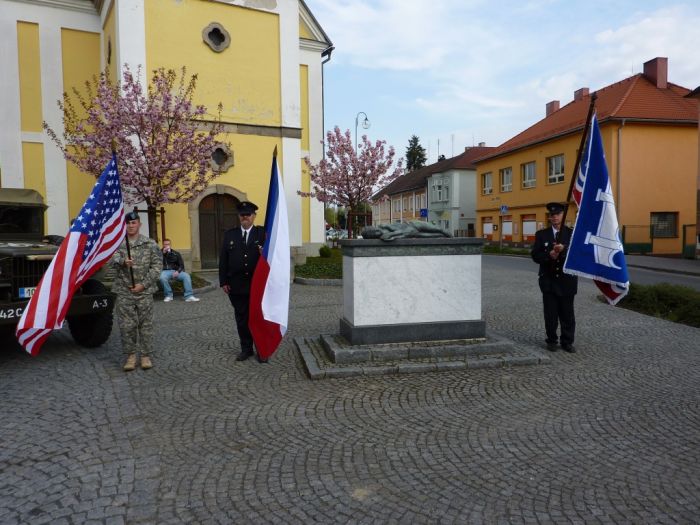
(193, 212)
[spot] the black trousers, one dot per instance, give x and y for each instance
(241, 307)
(559, 310)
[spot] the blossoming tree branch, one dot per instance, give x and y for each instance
(164, 140)
(347, 177)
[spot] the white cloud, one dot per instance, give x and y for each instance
(671, 32)
(472, 67)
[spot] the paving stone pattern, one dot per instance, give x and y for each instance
(610, 434)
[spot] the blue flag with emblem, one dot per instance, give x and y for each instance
(596, 249)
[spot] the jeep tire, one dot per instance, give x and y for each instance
(91, 330)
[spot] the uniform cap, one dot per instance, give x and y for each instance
(247, 207)
(555, 207)
(132, 216)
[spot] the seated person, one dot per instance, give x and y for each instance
(174, 268)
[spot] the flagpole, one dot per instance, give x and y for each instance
(579, 154)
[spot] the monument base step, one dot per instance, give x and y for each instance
(333, 356)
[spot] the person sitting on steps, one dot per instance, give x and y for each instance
(174, 268)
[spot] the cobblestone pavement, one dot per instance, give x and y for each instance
(610, 434)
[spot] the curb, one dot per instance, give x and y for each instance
(318, 282)
(665, 270)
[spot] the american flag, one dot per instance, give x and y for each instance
(94, 236)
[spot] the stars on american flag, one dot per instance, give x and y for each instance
(104, 201)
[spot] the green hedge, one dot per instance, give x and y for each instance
(330, 267)
(679, 304)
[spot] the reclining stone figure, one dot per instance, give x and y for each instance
(403, 230)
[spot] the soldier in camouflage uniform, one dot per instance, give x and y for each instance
(135, 302)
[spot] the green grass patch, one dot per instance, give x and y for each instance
(679, 304)
(506, 250)
(330, 267)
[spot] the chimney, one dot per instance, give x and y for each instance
(656, 70)
(551, 107)
(580, 93)
(482, 144)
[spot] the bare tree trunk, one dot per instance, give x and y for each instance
(152, 223)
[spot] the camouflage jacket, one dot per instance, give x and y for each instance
(147, 266)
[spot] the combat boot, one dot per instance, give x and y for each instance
(146, 362)
(130, 363)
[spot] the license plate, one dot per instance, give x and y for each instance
(26, 293)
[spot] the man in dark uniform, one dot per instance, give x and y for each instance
(558, 288)
(239, 256)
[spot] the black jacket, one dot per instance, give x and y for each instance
(552, 279)
(237, 261)
(172, 260)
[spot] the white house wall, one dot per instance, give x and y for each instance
(316, 133)
(50, 21)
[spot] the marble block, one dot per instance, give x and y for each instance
(418, 288)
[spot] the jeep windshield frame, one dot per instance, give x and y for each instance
(21, 215)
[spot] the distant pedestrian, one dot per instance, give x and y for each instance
(174, 268)
(135, 299)
(558, 288)
(240, 252)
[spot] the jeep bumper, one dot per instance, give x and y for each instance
(81, 305)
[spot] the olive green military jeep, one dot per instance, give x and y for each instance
(25, 254)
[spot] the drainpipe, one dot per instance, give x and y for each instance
(326, 53)
(619, 164)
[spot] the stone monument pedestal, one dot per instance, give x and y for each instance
(411, 290)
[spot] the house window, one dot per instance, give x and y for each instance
(422, 200)
(411, 202)
(664, 224)
(437, 190)
(487, 227)
(397, 205)
(506, 175)
(527, 172)
(486, 183)
(555, 169)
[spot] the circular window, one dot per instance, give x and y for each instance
(221, 158)
(216, 37)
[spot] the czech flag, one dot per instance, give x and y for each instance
(269, 289)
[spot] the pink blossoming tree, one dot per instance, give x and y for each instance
(347, 177)
(164, 142)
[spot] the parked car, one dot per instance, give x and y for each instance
(332, 233)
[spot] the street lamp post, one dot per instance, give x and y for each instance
(365, 125)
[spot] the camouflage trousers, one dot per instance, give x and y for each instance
(135, 317)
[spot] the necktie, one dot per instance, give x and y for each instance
(245, 237)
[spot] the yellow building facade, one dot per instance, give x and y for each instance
(650, 139)
(262, 61)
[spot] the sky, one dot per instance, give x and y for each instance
(460, 72)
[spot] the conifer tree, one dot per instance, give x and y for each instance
(415, 154)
